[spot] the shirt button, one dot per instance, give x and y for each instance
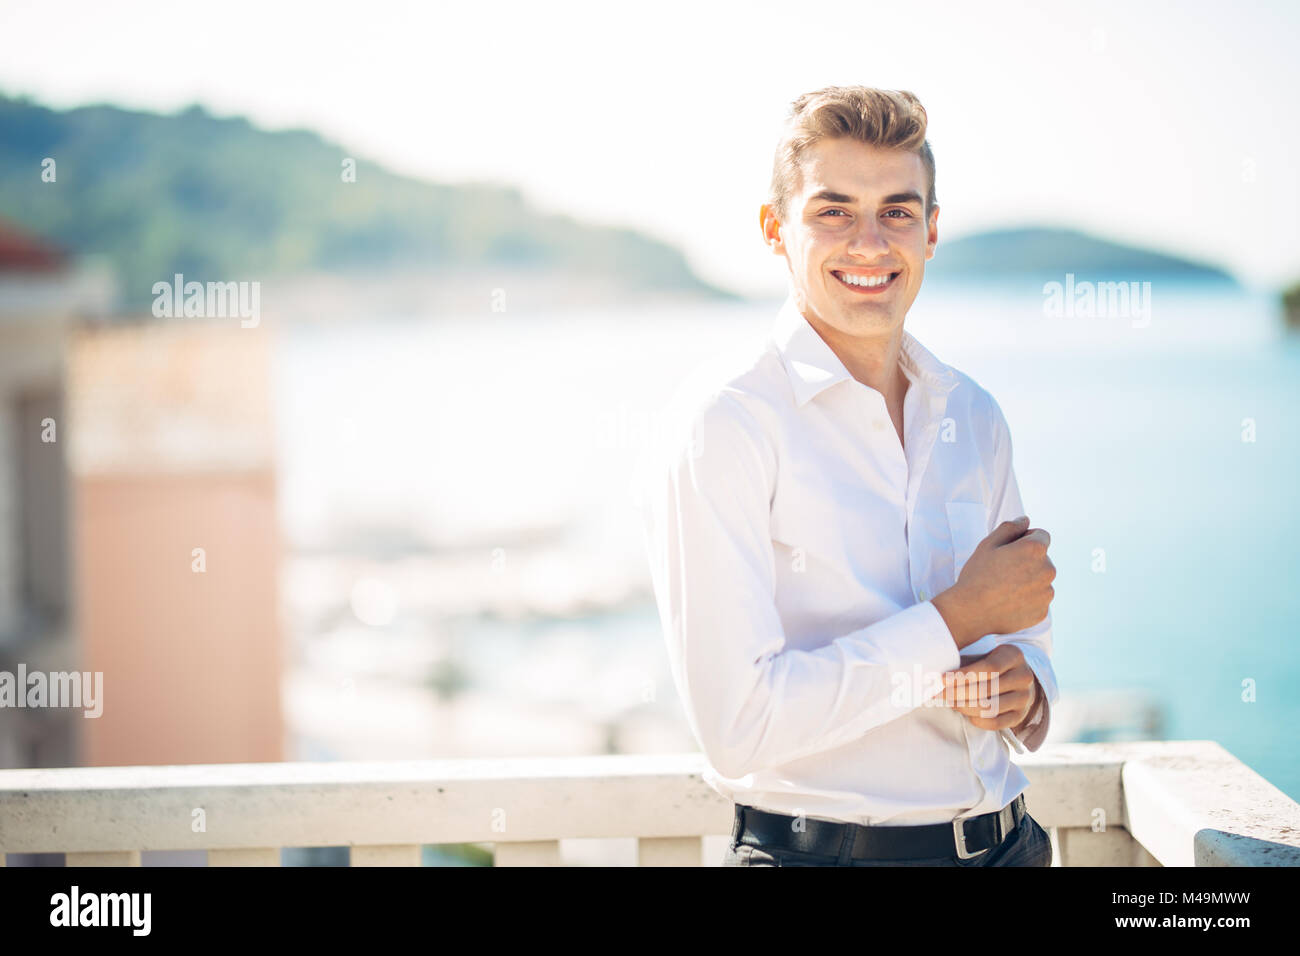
(878, 425)
(921, 594)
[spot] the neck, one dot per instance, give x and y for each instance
(874, 361)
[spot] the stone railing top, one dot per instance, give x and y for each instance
(1187, 802)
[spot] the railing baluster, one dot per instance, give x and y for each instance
(1115, 846)
(670, 851)
(532, 853)
(393, 854)
(250, 856)
(111, 858)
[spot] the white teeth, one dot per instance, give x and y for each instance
(865, 281)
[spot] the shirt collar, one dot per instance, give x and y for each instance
(812, 366)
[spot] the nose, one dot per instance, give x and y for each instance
(868, 240)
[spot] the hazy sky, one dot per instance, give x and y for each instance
(1171, 124)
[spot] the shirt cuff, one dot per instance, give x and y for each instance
(937, 645)
(1035, 731)
(917, 644)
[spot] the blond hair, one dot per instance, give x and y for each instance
(892, 119)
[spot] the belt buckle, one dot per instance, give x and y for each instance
(959, 834)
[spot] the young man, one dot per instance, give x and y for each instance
(832, 526)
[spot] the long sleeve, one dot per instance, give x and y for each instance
(1036, 641)
(751, 701)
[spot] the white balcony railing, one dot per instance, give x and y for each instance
(1172, 803)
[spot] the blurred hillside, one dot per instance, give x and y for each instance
(216, 198)
(1049, 253)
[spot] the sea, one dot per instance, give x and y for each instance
(1159, 446)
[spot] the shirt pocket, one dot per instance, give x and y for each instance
(968, 526)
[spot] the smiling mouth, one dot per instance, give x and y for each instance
(866, 284)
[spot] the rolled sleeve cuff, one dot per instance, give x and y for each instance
(916, 644)
(924, 637)
(1035, 731)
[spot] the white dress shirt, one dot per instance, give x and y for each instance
(795, 546)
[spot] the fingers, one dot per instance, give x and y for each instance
(1038, 534)
(1003, 658)
(1000, 722)
(1001, 672)
(1014, 705)
(1008, 531)
(987, 703)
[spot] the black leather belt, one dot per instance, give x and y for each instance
(965, 837)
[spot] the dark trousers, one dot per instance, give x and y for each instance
(1027, 845)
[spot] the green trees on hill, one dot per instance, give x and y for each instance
(218, 198)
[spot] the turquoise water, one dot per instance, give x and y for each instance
(1127, 438)
(1142, 456)
(1136, 448)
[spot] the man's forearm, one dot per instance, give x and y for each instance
(959, 617)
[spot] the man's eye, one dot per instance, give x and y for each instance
(906, 214)
(833, 210)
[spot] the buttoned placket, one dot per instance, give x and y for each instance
(938, 403)
(930, 403)
(920, 434)
(922, 437)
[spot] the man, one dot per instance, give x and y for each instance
(831, 525)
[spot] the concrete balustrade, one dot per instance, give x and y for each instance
(1172, 803)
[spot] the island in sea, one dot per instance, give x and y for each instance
(190, 193)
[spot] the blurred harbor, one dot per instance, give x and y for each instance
(461, 485)
(421, 542)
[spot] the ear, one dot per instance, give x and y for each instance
(932, 237)
(771, 227)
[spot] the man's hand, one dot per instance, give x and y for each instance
(1005, 586)
(994, 691)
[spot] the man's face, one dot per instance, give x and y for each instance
(859, 215)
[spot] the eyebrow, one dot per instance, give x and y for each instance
(832, 196)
